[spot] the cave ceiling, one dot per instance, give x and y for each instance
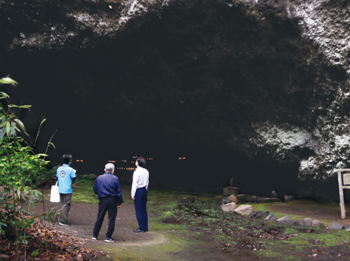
(267, 80)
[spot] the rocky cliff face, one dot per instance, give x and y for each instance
(268, 80)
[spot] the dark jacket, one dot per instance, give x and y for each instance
(108, 185)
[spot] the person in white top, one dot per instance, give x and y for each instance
(140, 181)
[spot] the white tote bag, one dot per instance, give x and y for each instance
(55, 195)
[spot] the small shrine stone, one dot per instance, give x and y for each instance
(335, 225)
(244, 210)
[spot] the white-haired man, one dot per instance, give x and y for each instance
(107, 188)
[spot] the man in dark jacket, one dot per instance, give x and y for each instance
(107, 188)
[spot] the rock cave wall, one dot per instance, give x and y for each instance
(265, 81)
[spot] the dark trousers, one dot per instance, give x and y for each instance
(65, 199)
(109, 204)
(141, 208)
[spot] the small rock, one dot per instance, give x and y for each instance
(347, 227)
(244, 210)
(285, 221)
(265, 200)
(308, 222)
(300, 222)
(316, 223)
(335, 225)
(229, 207)
(270, 217)
(288, 198)
(251, 199)
(224, 201)
(259, 214)
(233, 198)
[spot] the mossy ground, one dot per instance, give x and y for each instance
(193, 227)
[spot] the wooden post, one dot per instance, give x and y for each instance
(341, 197)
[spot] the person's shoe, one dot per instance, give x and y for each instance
(109, 240)
(94, 238)
(63, 224)
(139, 230)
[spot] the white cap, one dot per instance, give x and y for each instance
(109, 166)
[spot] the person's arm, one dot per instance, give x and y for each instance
(95, 187)
(72, 175)
(134, 184)
(119, 193)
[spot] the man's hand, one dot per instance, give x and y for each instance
(119, 205)
(133, 198)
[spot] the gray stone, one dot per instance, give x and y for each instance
(229, 207)
(347, 227)
(265, 200)
(288, 198)
(244, 210)
(308, 222)
(335, 225)
(251, 199)
(259, 214)
(304, 222)
(299, 222)
(270, 217)
(286, 221)
(316, 223)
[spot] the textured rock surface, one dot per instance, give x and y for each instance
(268, 80)
(335, 225)
(244, 210)
(285, 221)
(230, 207)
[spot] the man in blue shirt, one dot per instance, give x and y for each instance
(108, 190)
(65, 176)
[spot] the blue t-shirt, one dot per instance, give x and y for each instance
(64, 176)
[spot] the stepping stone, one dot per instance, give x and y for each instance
(335, 225)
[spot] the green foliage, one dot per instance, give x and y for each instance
(20, 171)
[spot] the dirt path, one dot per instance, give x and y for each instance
(82, 218)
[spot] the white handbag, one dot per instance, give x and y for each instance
(55, 195)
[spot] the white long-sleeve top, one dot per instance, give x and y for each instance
(140, 179)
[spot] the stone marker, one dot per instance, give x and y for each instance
(229, 207)
(285, 221)
(347, 227)
(244, 210)
(335, 225)
(316, 223)
(270, 217)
